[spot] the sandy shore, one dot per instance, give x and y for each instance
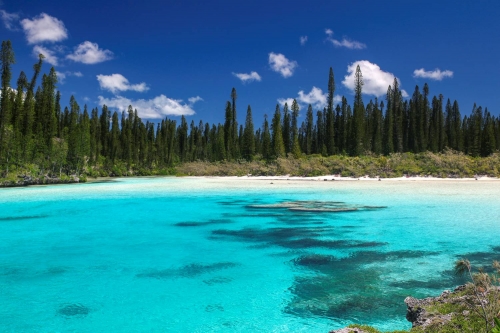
(364, 178)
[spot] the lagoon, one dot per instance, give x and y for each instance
(235, 255)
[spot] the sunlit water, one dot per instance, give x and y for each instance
(194, 255)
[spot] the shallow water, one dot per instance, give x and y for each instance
(233, 255)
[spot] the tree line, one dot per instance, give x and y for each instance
(35, 129)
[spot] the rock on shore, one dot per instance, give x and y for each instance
(46, 180)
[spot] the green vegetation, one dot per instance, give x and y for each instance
(474, 308)
(41, 139)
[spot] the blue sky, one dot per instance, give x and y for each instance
(168, 58)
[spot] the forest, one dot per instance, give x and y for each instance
(37, 133)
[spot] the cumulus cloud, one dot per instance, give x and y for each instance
(436, 74)
(279, 63)
(44, 28)
(315, 97)
(283, 101)
(375, 80)
(89, 53)
(155, 108)
(9, 20)
(345, 42)
(253, 76)
(61, 76)
(117, 82)
(303, 40)
(49, 55)
(193, 100)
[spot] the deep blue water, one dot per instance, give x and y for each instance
(208, 255)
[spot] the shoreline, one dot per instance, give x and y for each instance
(340, 178)
(76, 180)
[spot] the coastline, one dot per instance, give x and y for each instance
(364, 178)
(76, 180)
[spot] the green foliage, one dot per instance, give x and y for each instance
(416, 137)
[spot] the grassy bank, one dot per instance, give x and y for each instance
(448, 164)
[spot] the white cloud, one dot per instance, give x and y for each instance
(347, 43)
(375, 80)
(279, 63)
(49, 55)
(288, 101)
(90, 53)
(9, 20)
(303, 40)
(253, 76)
(118, 82)
(193, 100)
(44, 28)
(155, 108)
(350, 44)
(315, 97)
(436, 74)
(62, 76)
(337, 99)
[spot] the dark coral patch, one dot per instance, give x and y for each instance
(217, 280)
(72, 310)
(294, 238)
(201, 224)
(188, 271)
(20, 218)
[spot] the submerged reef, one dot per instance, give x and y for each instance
(71, 310)
(315, 206)
(187, 271)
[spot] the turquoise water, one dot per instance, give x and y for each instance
(208, 255)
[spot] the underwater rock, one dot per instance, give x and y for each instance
(201, 224)
(214, 307)
(315, 206)
(217, 280)
(71, 310)
(19, 218)
(294, 238)
(188, 271)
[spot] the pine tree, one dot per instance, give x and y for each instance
(277, 142)
(397, 113)
(488, 144)
(248, 147)
(330, 116)
(228, 132)
(389, 124)
(358, 116)
(377, 129)
(286, 129)
(6, 61)
(309, 130)
(457, 123)
(295, 133)
(267, 150)
(320, 134)
(234, 125)
(114, 139)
